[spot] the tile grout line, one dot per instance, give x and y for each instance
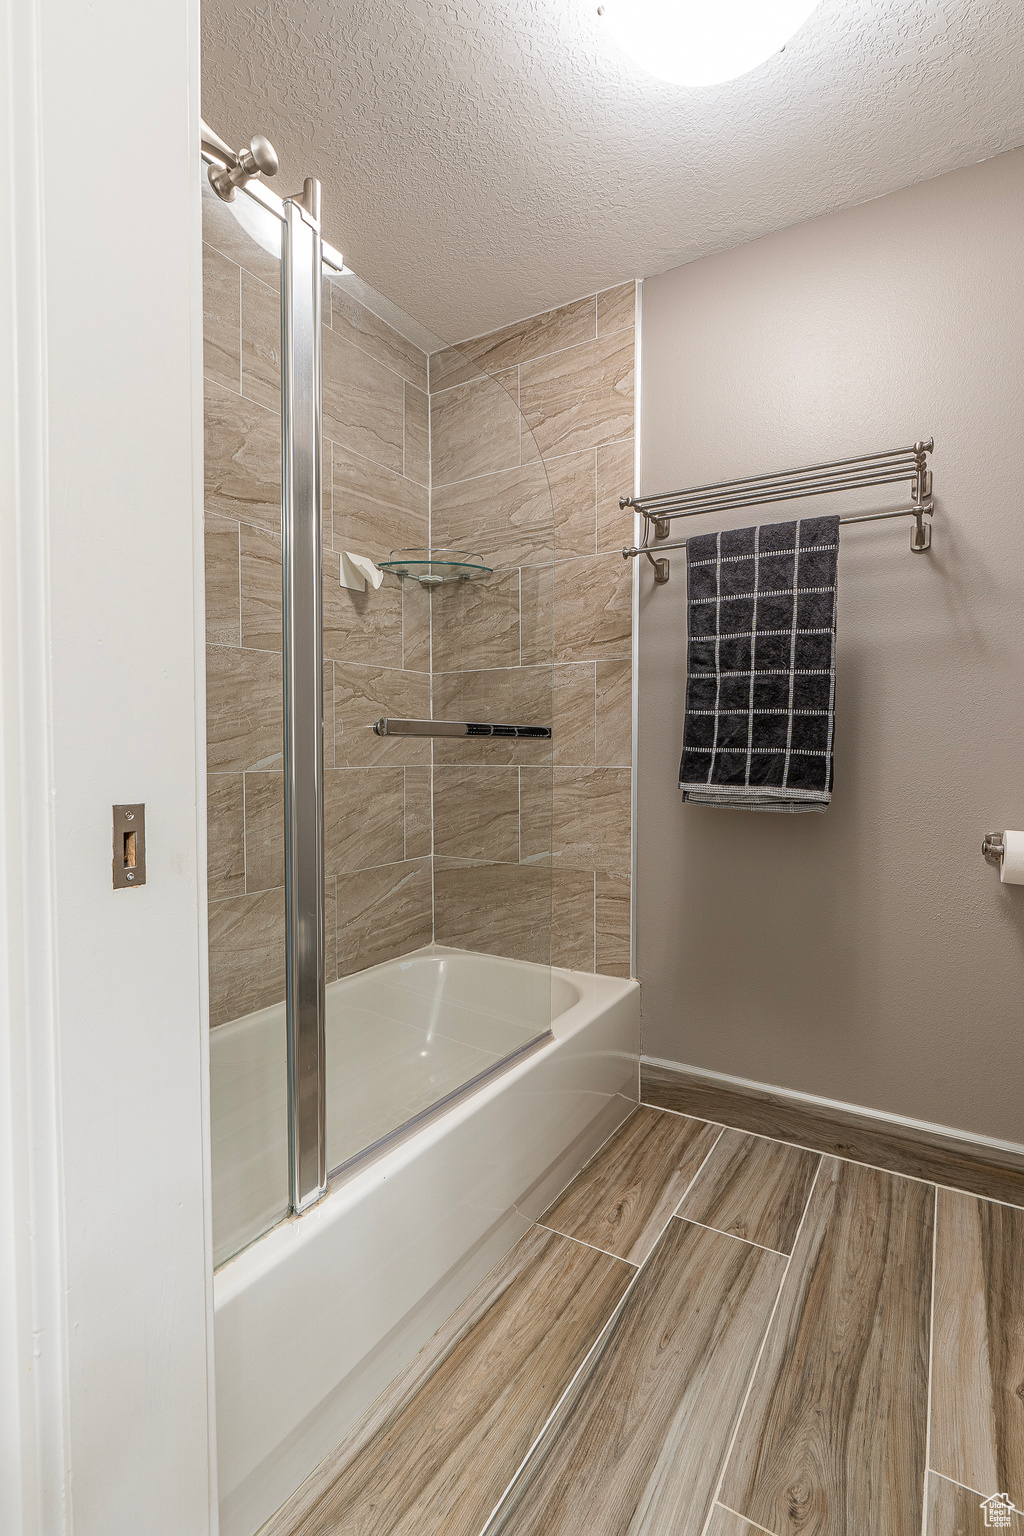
(735, 1236)
(592, 1246)
(753, 1373)
(965, 1486)
(542, 357)
(858, 1162)
(931, 1359)
(752, 1523)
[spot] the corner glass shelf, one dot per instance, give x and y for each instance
(431, 567)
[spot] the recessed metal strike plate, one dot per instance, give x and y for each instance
(129, 862)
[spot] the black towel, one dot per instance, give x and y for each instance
(760, 690)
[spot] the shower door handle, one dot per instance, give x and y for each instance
(388, 727)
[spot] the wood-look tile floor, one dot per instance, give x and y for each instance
(711, 1333)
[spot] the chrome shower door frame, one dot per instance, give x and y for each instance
(301, 561)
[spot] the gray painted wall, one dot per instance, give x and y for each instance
(867, 954)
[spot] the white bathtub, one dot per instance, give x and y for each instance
(317, 1316)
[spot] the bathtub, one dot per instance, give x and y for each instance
(316, 1316)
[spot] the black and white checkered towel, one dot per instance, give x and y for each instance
(760, 690)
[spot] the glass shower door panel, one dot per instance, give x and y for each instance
(245, 799)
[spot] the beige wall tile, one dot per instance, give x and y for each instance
(615, 714)
(582, 397)
(572, 918)
(536, 586)
(535, 815)
(474, 429)
(264, 831)
(328, 714)
(416, 624)
(361, 696)
(573, 482)
(364, 403)
(616, 309)
(375, 510)
(242, 458)
(362, 627)
(417, 435)
(382, 913)
(573, 708)
(505, 517)
(450, 366)
(476, 813)
(500, 909)
(364, 818)
(246, 955)
(261, 589)
(221, 320)
(593, 608)
(592, 818)
(476, 624)
(261, 343)
(612, 922)
(374, 336)
(222, 230)
(223, 621)
(243, 709)
(225, 823)
(330, 929)
(418, 815)
(614, 479)
(497, 695)
(552, 331)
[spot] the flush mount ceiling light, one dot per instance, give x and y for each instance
(702, 42)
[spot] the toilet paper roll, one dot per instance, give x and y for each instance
(357, 570)
(1011, 870)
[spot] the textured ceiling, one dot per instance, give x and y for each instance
(485, 161)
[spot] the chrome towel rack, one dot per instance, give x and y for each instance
(893, 467)
(388, 726)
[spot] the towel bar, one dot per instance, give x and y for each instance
(386, 726)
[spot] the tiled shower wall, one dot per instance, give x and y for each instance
(376, 645)
(570, 373)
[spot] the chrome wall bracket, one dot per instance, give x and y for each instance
(238, 166)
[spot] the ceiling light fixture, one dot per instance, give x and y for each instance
(703, 42)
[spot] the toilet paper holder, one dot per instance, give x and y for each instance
(993, 847)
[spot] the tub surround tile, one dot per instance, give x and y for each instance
(574, 715)
(552, 331)
(535, 819)
(222, 230)
(364, 628)
(415, 603)
(375, 509)
(592, 818)
(416, 459)
(581, 397)
(457, 1428)
(246, 954)
(834, 1430)
(243, 709)
(612, 920)
(382, 912)
(616, 309)
(225, 833)
(361, 696)
(625, 1195)
(476, 813)
(502, 695)
(754, 1189)
(505, 517)
(573, 483)
(260, 554)
(502, 909)
(614, 714)
(223, 613)
(264, 831)
(572, 919)
(372, 335)
(364, 818)
(329, 714)
(242, 459)
(474, 429)
(364, 403)
(593, 605)
(261, 343)
(615, 479)
(221, 320)
(978, 1350)
(476, 624)
(536, 598)
(674, 1368)
(418, 813)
